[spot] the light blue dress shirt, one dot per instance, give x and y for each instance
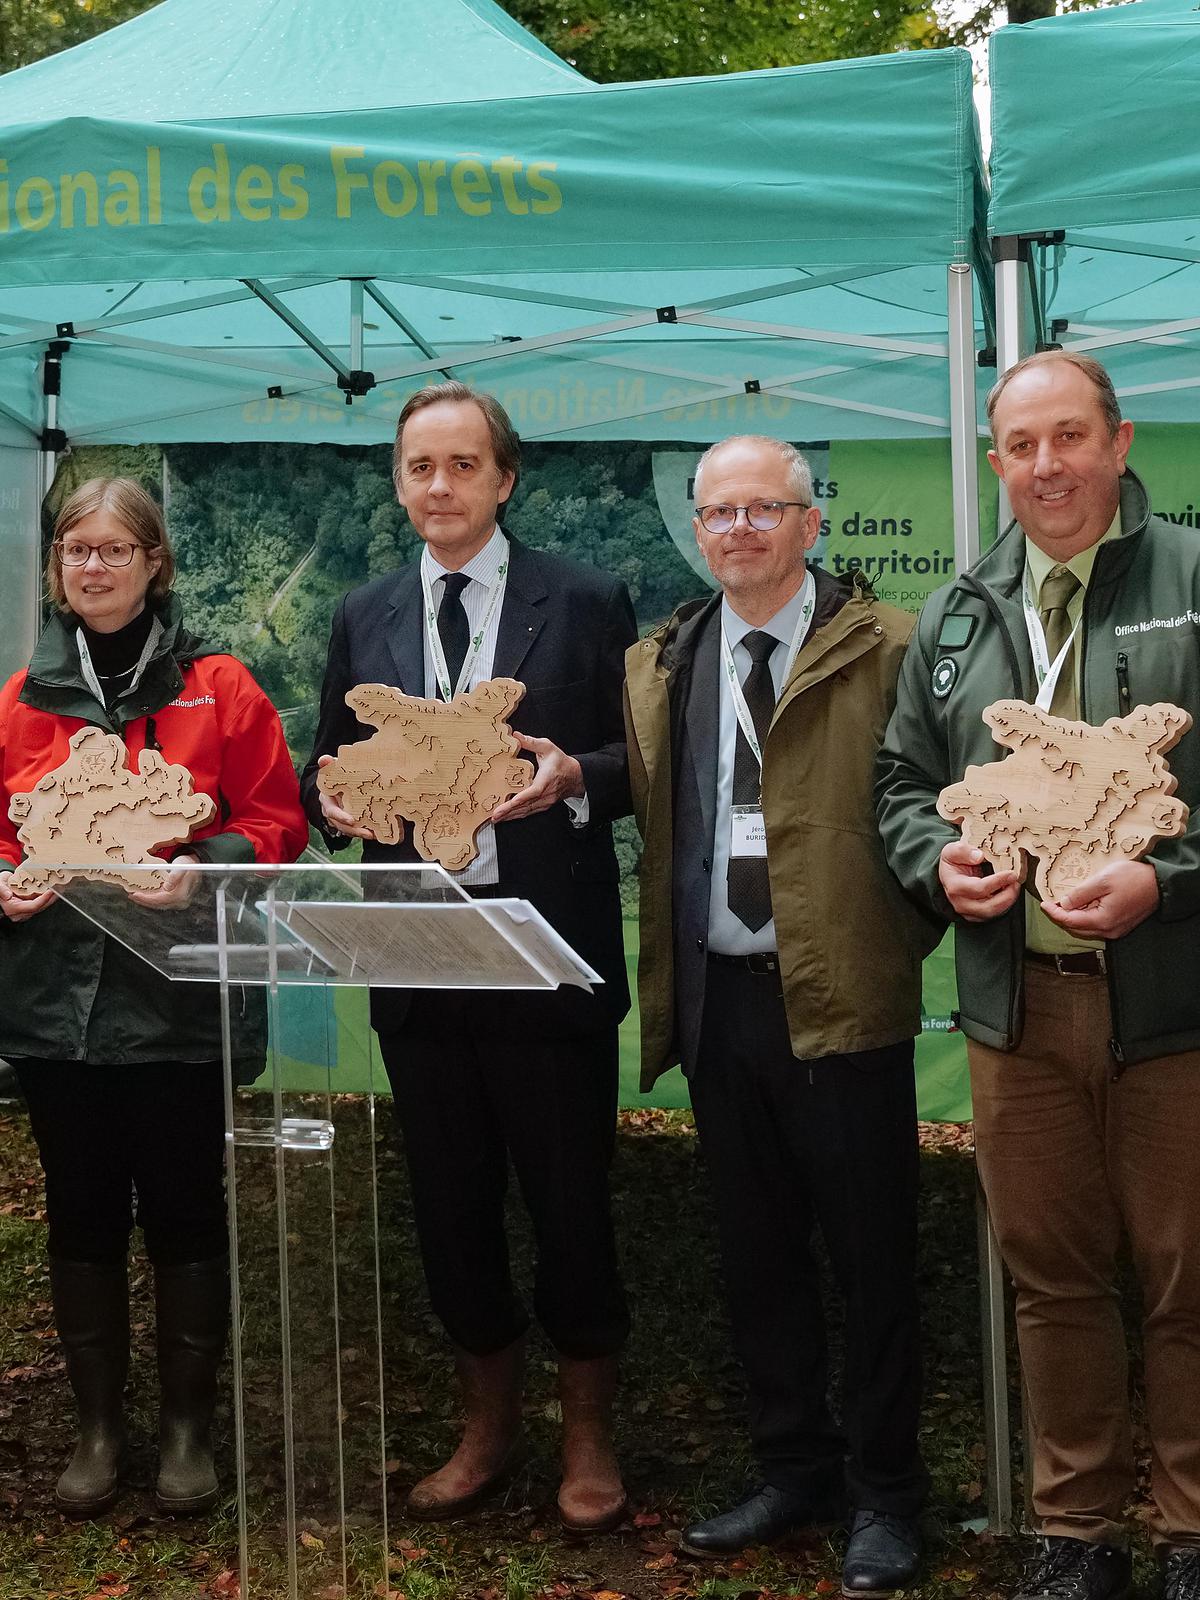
(727, 934)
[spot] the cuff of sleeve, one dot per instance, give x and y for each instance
(1176, 890)
(580, 808)
(230, 849)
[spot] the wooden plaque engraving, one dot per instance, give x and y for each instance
(1073, 795)
(443, 767)
(94, 811)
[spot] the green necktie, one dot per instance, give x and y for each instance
(1058, 590)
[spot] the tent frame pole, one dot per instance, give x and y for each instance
(408, 329)
(1105, 338)
(1011, 254)
(964, 456)
(37, 332)
(356, 324)
(53, 440)
(298, 326)
(996, 1426)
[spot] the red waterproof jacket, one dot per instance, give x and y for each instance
(220, 726)
(72, 993)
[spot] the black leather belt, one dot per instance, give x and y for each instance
(761, 961)
(1072, 963)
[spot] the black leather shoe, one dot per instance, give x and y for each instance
(1075, 1569)
(767, 1515)
(882, 1556)
(1181, 1575)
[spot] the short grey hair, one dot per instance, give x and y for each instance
(799, 471)
(1110, 406)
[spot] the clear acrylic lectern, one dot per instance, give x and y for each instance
(317, 1417)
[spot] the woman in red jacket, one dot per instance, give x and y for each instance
(121, 1070)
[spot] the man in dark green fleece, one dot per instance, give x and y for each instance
(1089, 606)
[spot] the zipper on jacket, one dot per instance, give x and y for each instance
(1016, 924)
(152, 735)
(1116, 1048)
(1118, 1055)
(1124, 698)
(984, 594)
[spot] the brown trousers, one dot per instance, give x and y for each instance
(1072, 1154)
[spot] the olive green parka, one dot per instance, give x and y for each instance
(1140, 644)
(850, 943)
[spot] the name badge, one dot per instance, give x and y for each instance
(747, 832)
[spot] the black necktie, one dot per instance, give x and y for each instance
(749, 888)
(453, 628)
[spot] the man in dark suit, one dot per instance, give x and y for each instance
(781, 966)
(480, 1076)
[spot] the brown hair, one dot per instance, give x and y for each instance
(506, 445)
(139, 515)
(1110, 406)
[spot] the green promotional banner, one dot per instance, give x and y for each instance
(888, 512)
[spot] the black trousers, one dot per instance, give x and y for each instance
(119, 1142)
(791, 1145)
(473, 1087)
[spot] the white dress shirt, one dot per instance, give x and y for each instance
(483, 569)
(728, 934)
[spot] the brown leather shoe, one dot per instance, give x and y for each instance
(591, 1498)
(492, 1389)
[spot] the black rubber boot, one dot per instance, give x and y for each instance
(91, 1311)
(192, 1302)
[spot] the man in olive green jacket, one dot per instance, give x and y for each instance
(781, 965)
(1082, 1015)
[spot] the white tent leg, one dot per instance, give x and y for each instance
(1012, 338)
(49, 456)
(964, 459)
(22, 476)
(356, 323)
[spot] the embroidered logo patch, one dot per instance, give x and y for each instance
(945, 672)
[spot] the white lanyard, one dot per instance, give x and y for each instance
(89, 670)
(440, 670)
(1046, 671)
(808, 600)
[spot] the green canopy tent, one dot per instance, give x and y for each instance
(1095, 202)
(274, 218)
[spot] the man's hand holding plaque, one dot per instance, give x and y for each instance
(445, 768)
(1087, 802)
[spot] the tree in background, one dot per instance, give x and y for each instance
(613, 41)
(269, 537)
(31, 29)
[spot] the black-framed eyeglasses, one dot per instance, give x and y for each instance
(113, 552)
(762, 515)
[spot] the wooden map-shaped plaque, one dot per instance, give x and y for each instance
(1070, 794)
(444, 767)
(94, 812)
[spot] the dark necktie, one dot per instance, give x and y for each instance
(453, 628)
(1058, 590)
(749, 888)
